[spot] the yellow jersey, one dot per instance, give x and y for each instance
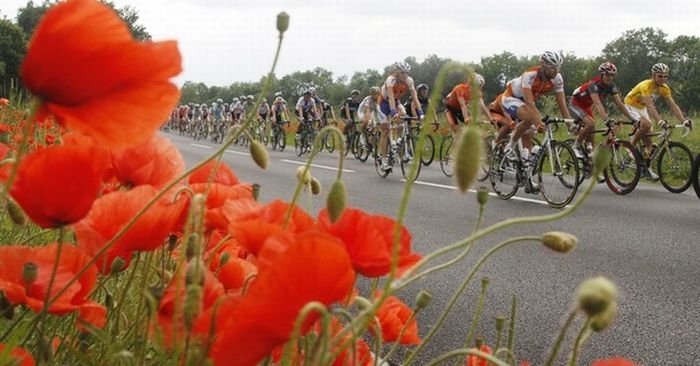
(646, 88)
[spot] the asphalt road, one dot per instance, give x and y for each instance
(648, 243)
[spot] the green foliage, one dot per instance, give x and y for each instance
(28, 16)
(12, 50)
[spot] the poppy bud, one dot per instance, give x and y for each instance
(423, 299)
(482, 196)
(478, 342)
(596, 294)
(30, 272)
(256, 191)
(602, 320)
(259, 154)
(15, 212)
(500, 322)
(315, 186)
(303, 175)
(224, 259)
(485, 282)
(362, 303)
(468, 158)
(559, 241)
(118, 265)
(335, 203)
(601, 160)
(282, 22)
(193, 304)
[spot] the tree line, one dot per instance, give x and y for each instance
(633, 52)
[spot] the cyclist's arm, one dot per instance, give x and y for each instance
(465, 109)
(621, 106)
(649, 103)
(392, 99)
(675, 110)
(529, 98)
(561, 103)
(415, 102)
(598, 106)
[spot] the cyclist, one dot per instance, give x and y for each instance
(305, 110)
(640, 104)
(279, 111)
(264, 110)
(589, 97)
(218, 111)
(348, 110)
(519, 98)
(457, 104)
(397, 84)
(500, 119)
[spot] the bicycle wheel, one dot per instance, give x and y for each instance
(558, 174)
(485, 159)
(428, 152)
(378, 163)
(299, 141)
(622, 175)
(503, 172)
(446, 158)
(695, 175)
(406, 155)
(281, 139)
(329, 142)
(361, 148)
(673, 167)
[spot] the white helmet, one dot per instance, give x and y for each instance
(660, 67)
(235, 100)
(279, 100)
(219, 100)
(374, 90)
(402, 66)
(551, 58)
(479, 79)
(607, 68)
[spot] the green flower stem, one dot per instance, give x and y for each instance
(560, 338)
(170, 185)
(313, 306)
(377, 340)
(578, 343)
(463, 287)
(489, 230)
(511, 330)
(477, 315)
(462, 352)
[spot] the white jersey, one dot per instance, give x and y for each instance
(529, 80)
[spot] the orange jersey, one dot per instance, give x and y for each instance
(460, 91)
(397, 86)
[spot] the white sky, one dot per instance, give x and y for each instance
(223, 41)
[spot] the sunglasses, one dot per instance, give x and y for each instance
(662, 76)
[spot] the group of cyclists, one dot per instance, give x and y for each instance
(513, 113)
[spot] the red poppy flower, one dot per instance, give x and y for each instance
(363, 355)
(17, 290)
(171, 307)
(57, 185)
(110, 214)
(219, 194)
(156, 162)
(393, 316)
(19, 354)
(223, 174)
(473, 360)
(5, 128)
(89, 72)
(615, 361)
(368, 240)
(314, 267)
(252, 228)
(4, 102)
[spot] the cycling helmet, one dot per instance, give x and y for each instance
(264, 100)
(607, 68)
(374, 90)
(225, 104)
(196, 105)
(250, 97)
(307, 93)
(219, 100)
(278, 94)
(660, 67)
(479, 79)
(312, 90)
(279, 100)
(235, 100)
(422, 87)
(551, 58)
(402, 66)
(355, 92)
(213, 104)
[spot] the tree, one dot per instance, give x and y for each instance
(12, 50)
(131, 16)
(685, 55)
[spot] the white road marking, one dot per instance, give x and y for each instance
(515, 198)
(202, 146)
(316, 165)
(237, 152)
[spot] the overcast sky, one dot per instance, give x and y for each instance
(223, 41)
